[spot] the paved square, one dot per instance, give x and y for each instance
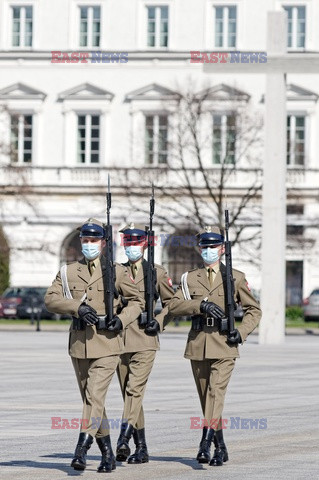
(276, 383)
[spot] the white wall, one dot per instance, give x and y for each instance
(123, 29)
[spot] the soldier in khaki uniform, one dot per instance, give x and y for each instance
(211, 350)
(78, 290)
(140, 347)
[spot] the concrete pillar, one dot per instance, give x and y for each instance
(272, 327)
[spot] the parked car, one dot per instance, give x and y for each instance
(20, 302)
(311, 306)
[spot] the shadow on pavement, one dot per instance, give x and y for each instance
(69, 456)
(45, 466)
(190, 462)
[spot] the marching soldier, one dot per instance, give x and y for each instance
(211, 349)
(94, 343)
(140, 345)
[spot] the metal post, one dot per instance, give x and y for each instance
(32, 299)
(38, 319)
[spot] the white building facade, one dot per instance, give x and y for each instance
(89, 88)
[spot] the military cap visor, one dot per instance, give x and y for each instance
(134, 235)
(210, 239)
(92, 230)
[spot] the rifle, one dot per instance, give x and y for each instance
(230, 289)
(110, 274)
(151, 293)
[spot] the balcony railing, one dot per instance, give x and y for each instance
(136, 178)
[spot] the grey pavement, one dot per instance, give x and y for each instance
(276, 383)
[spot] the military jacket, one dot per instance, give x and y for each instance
(210, 343)
(135, 338)
(90, 342)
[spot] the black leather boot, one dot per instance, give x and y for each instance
(200, 443)
(141, 454)
(203, 455)
(220, 454)
(108, 460)
(123, 449)
(84, 443)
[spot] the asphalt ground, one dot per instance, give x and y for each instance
(276, 387)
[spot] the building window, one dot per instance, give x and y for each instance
(21, 138)
(224, 139)
(296, 140)
(22, 26)
(295, 209)
(295, 230)
(294, 226)
(88, 139)
(157, 26)
(156, 144)
(296, 26)
(225, 26)
(90, 26)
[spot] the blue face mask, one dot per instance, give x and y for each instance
(210, 255)
(133, 253)
(90, 250)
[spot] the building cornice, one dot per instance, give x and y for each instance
(93, 180)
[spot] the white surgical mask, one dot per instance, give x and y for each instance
(90, 250)
(133, 253)
(210, 255)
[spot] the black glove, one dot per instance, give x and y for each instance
(115, 325)
(234, 337)
(87, 314)
(197, 323)
(152, 328)
(212, 310)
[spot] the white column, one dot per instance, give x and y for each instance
(272, 327)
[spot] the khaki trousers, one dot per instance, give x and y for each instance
(211, 378)
(133, 372)
(94, 376)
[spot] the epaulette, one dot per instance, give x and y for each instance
(156, 265)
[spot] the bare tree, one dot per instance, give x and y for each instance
(214, 157)
(233, 140)
(4, 248)
(16, 191)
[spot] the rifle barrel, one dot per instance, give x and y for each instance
(230, 289)
(151, 293)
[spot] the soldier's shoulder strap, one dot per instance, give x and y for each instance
(65, 284)
(184, 286)
(159, 267)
